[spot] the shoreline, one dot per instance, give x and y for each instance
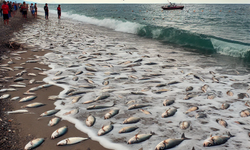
(26, 127)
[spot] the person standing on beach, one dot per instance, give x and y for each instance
(35, 10)
(59, 11)
(5, 9)
(24, 10)
(46, 10)
(32, 10)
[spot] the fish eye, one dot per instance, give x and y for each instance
(209, 144)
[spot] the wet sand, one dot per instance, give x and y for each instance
(27, 126)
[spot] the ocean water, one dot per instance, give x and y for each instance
(218, 28)
(112, 39)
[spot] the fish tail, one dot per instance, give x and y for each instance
(183, 137)
(230, 135)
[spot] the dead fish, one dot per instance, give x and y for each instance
(106, 82)
(88, 86)
(245, 113)
(173, 82)
(70, 91)
(34, 143)
(58, 73)
(27, 98)
(200, 115)
(190, 88)
(59, 78)
(211, 72)
(31, 61)
(105, 129)
(151, 63)
(139, 138)
(103, 96)
(71, 140)
(90, 121)
(72, 112)
(19, 79)
(197, 77)
(36, 68)
(89, 81)
(33, 105)
(161, 85)
(145, 112)
(49, 112)
(212, 96)
(32, 81)
(54, 121)
(138, 60)
(134, 64)
(168, 102)
(128, 129)
(243, 95)
(17, 86)
(5, 96)
(75, 78)
(170, 143)
(78, 72)
(184, 124)
(131, 120)
(131, 101)
(215, 80)
(230, 93)
(77, 93)
(135, 106)
(216, 140)
(204, 88)
(76, 99)
(59, 132)
(225, 106)
(144, 78)
(71, 66)
(15, 98)
(90, 69)
(32, 74)
(169, 112)
(138, 93)
(53, 98)
(18, 111)
(222, 122)
(111, 113)
(34, 89)
(99, 107)
(161, 91)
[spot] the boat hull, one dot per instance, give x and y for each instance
(172, 8)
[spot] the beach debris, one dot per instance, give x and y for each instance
(59, 132)
(49, 112)
(140, 138)
(168, 102)
(184, 124)
(33, 105)
(169, 112)
(111, 113)
(222, 122)
(54, 121)
(34, 143)
(131, 120)
(90, 121)
(71, 140)
(216, 140)
(27, 98)
(105, 129)
(128, 129)
(5, 96)
(170, 143)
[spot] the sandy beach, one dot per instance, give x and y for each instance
(22, 128)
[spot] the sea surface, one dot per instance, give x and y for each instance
(140, 54)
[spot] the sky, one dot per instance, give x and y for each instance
(143, 1)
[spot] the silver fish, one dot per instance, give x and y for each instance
(59, 132)
(78, 72)
(128, 129)
(33, 105)
(77, 93)
(106, 82)
(76, 99)
(90, 69)
(90, 121)
(58, 73)
(75, 78)
(49, 112)
(204, 88)
(71, 140)
(99, 107)
(59, 78)
(18, 111)
(170, 143)
(5, 96)
(168, 102)
(32, 74)
(28, 98)
(216, 140)
(15, 98)
(192, 109)
(215, 80)
(225, 106)
(139, 138)
(169, 112)
(105, 129)
(145, 112)
(72, 112)
(54, 121)
(131, 120)
(111, 113)
(135, 106)
(34, 143)
(184, 124)
(17, 86)
(245, 113)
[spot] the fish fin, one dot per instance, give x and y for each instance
(183, 137)
(151, 132)
(230, 135)
(114, 103)
(176, 107)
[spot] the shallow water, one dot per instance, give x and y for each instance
(108, 51)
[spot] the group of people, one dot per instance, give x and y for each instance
(8, 9)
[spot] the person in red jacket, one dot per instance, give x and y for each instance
(6, 10)
(59, 11)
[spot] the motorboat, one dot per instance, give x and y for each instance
(172, 6)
